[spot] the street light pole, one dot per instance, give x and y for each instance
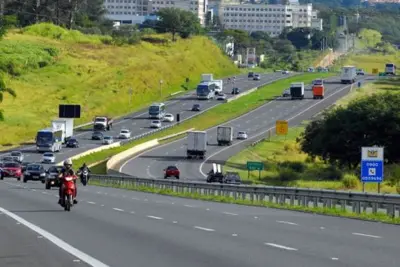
(161, 82)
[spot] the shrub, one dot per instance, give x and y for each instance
(296, 166)
(287, 175)
(350, 181)
(332, 173)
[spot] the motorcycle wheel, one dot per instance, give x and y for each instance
(84, 182)
(67, 204)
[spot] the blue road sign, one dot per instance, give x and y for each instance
(372, 171)
(359, 84)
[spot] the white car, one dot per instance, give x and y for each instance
(221, 96)
(108, 140)
(257, 77)
(155, 124)
(48, 157)
(242, 135)
(285, 72)
(286, 93)
(124, 134)
(169, 117)
(360, 72)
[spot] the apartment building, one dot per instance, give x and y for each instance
(268, 18)
(136, 11)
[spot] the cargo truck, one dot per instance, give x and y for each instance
(196, 144)
(224, 135)
(66, 126)
(207, 78)
(219, 86)
(102, 123)
(297, 90)
(349, 75)
(318, 89)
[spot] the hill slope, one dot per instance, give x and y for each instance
(46, 71)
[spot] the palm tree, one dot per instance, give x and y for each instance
(3, 90)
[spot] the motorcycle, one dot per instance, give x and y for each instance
(69, 192)
(84, 177)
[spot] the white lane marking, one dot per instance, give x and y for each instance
(207, 209)
(366, 235)
(135, 198)
(99, 192)
(280, 246)
(174, 222)
(229, 213)
(40, 237)
(189, 206)
(33, 190)
(117, 209)
(322, 228)
(234, 235)
(90, 202)
(204, 229)
(285, 222)
(102, 205)
(146, 199)
(76, 260)
(132, 212)
(267, 130)
(255, 217)
(154, 217)
(57, 241)
(335, 259)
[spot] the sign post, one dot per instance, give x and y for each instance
(281, 128)
(254, 166)
(372, 165)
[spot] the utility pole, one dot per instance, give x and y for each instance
(37, 11)
(161, 82)
(2, 8)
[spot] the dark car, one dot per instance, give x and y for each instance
(9, 159)
(52, 177)
(235, 91)
(216, 177)
(34, 172)
(250, 75)
(72, 142)
(232, 178)
(11, 169)
(196, 107)
(171, 171)
(97, 135)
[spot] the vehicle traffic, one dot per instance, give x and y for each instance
(66, 126)
(196, 144)
(257, 77)
(349, 75)
(242, 135)
(360, 72)
(169, 117)
(318, 89)
(72, 142)
(17, 155)
(49, 140)
(108, 140)
(34, 172)
(157, 111)
(297, 90)
(52, 179)
(235, 91)
(205, 90)
(390, 69)
(224, 135)
(155, 124)
(11, 169)
(221, 96)
(196, 107)
(97, 135)
(49, 157)
(124, 134)
(171, 171)
(102, 123)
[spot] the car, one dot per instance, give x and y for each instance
(242, 135)
(124, 134)
(285, 72)
(311, 69)
(72, 142)
(108, 140)
(221, 96)
(360, 72)
(286, 93)
(155, 124)
(51, 179)
(17, 155)
(97, 135)
(169, 117)
(232, 178)
(257, 77)
(196, 107)
(11, 169)
(9, 159)
(250, 75)
(235, 91)
(49, 157)
(34, 172)
(171, 171)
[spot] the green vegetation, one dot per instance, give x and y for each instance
(214, 116)
(47, 65)
(286, 164)
(381, 217)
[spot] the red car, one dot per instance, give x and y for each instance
(12, 169)
(171, 171)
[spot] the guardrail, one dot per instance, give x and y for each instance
(357, 202)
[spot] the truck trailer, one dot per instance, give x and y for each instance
(66, 126)
(196, 144)
(349, 75)
(297, 90)
(102, 123)
(318, 89)
(224, 135)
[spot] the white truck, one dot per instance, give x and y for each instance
(196, 144)
(224, 135)
(207, 77)
(349, 75)
(219, 86)
(66, 126)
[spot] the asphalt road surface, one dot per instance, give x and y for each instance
(126, 228)
(139, 123)
(151, 164)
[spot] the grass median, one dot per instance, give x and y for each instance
(214, 116)
(379, 217)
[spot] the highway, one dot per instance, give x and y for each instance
(126, 228)
(138, 122)
(151, 163)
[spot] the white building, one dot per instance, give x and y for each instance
(268, 18)
(135, 11)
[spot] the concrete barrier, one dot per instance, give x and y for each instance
(175, 93)
(242, 94)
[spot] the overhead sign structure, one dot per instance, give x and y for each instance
(69, 111)
(282, 127)
(372, 164)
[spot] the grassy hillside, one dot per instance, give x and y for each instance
(47, 65)
(371, 61)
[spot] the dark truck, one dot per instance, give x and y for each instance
(216, 176)
(102, 123)
(297, 90)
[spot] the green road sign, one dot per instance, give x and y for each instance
(382, 74)
(255, 166)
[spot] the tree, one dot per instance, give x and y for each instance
(299, 37)
(4, 90)
(178, 21)
(369, 121)
(370, 37)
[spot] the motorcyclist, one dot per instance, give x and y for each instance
(83, 168)
(66, 171)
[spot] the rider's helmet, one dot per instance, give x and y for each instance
(84, 165)
(68, 163)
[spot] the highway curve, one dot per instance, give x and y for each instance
(138, 122)
(126, 228)
(150, 164)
